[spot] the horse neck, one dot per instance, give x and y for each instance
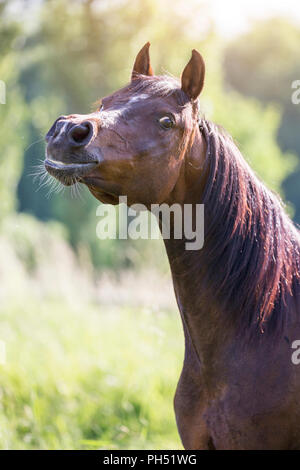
(200, 315)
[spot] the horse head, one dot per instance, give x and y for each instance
(135, 143)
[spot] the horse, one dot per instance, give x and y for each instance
(239, 295)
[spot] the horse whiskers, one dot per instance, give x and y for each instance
(78, 190)
(38, 170)
(54, 187)
(36, 142)
(44, 179)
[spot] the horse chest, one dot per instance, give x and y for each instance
(245, 408)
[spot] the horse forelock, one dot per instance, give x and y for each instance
(159, 86)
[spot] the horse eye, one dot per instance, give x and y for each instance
(166, 122)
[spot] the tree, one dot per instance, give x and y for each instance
(263, 64)
(13, 135)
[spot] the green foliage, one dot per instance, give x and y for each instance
(263, 64)
(13, 115)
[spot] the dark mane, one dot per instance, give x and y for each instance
(249, 240)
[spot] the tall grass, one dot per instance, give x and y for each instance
(81, 373)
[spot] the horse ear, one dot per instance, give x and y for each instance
(192, 78)
(142, 63)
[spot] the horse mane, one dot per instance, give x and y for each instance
(250, 242)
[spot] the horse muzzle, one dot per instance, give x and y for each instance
(67, 156)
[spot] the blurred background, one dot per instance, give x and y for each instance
(93, 338)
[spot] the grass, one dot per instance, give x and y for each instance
(88, 377)
(91, 363)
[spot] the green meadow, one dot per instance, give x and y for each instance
(82, 370)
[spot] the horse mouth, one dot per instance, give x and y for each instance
(68, 173)
(87, 173)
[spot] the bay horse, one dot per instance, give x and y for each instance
(238, 296)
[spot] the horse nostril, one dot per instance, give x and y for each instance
(55, 129)
(80, 134)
